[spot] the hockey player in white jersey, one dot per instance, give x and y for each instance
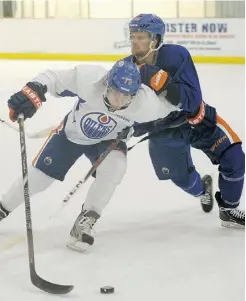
(108, 103)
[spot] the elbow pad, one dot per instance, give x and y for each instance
(154, 77)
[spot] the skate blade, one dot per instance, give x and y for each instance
(232, 225)
(77, 246)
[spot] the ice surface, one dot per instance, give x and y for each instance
(153, 241)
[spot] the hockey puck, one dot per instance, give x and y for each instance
(107, 290)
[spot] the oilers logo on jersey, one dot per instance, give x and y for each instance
(97, 125)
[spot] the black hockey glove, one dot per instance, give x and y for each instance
(141, 129)
(27, 101)
(124, 133)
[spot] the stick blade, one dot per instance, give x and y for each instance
(49, 287)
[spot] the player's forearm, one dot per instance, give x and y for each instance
(186, 97)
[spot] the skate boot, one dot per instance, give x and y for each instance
(230, 217)
(82, 231)
(3, 212)
(207, 200)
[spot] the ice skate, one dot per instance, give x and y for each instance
(230, 217)
(207, 200)
(82, 231)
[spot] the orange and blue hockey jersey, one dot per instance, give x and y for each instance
(183, 87)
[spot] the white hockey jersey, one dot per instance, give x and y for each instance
(90, 121)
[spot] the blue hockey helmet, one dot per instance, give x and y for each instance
(148, 23)
(123, 83)
(124, 77)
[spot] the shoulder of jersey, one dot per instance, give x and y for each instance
(145, 91)
(168, 51)
(91, 73)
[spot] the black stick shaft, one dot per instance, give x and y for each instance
(26, 196)
(39, 282)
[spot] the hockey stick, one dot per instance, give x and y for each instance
(104, 155)
(37, 281)
(95, 166)
(41, 134)
(111, 147)
(98, 162)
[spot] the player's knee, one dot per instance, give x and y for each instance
(113, 168)
(232, 163)
(38, 180)
(186, 178)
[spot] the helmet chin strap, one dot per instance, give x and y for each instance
(107, 104)
(109, 107)
(149, 52)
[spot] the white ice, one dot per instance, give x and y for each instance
(153, 241)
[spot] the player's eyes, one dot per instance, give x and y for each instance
(139, 38)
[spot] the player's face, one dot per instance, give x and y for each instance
(117, 100)
(140, 42)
